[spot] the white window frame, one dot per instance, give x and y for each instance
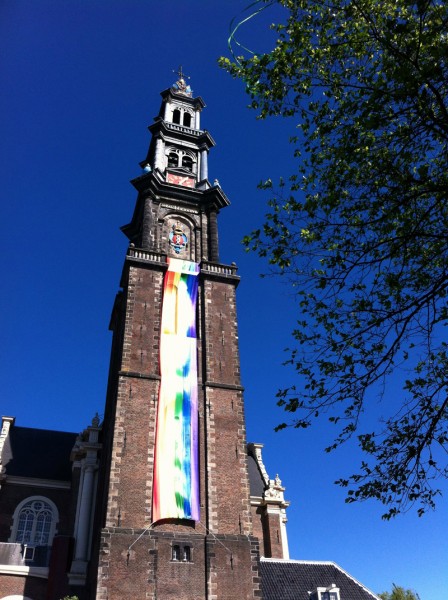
(320, 592)
(16, 519)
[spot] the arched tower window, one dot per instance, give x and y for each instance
(176, 116)
(175, 553)
(187, 162)
(173, 159)
(35, 522)
(187, 119)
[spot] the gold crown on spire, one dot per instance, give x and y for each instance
(181, 86)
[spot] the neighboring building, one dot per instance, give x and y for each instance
(309, 580)
(164, 499)
(43, 484)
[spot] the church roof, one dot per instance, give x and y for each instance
(38, 453)
(295, 579)
(256, 481)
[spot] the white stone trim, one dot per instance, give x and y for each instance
(7, 422)
(85, 504)
(6, 426)
(40, 572)
(256, 500)
(16, 597)
(284, 533)
(257, 448)
(322, 590)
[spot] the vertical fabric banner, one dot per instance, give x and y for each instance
(176, 479)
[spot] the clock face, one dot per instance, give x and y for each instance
(184, 180)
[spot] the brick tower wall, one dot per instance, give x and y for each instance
(226, 435)
(229, 571)
(131, 467)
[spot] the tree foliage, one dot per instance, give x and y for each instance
(361, 228)
(399, 593)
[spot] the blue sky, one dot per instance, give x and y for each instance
(80, 84)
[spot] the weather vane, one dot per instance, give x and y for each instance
(180, 73)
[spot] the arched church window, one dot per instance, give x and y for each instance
(187, 162)
(187, 119)
(175, 553)
(35, 522)
(173, 159)
(176, 116)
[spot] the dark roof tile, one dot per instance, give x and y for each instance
(293, 579)
(256, 482)
(38, 453)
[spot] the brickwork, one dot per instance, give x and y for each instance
(180, 579)
(224, 484)
(274, 533)
(142, 321)
(130, 485)
(132, 454)
(233, 568)
(267, 527)
(31, 587)
(221, 334)
(228, 487)
(143, 567)
(124, 573)
(258, 525)
(228, 490)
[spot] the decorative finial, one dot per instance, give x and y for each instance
(96, 420)
(181, 87)
(180, 73)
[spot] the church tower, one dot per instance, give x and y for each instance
(174, 510)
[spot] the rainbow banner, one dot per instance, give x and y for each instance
(176, 481)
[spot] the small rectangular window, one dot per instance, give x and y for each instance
(28, 553)
(329, 596)
(187, 554)
(175, 553)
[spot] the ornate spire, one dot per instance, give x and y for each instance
(181, 87)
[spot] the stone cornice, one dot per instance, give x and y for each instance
(153, 183)
(37, 482)
(137, 375)
(223, 386)
(40, 572)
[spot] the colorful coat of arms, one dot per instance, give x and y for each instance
(178, 239)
